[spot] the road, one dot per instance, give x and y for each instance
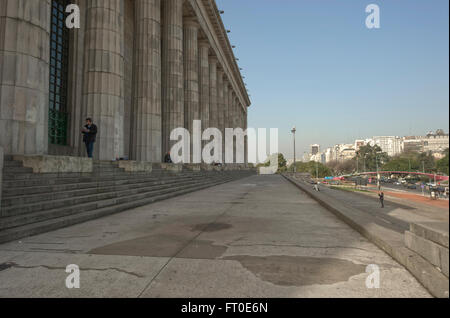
(256, 237)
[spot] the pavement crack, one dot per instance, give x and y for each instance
(14, 265)
(299, 246)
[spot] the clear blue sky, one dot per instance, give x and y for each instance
(314, 64)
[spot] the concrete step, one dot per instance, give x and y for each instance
(30, 190)
(92, 188)
(53, 179)
(12, 164)
(16, 171)
(14, 221)
(56, 223)
(74, 200)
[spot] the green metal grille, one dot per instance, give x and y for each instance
(59, 60)
(57, 127)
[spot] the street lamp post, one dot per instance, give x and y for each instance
(293, 132)
(378, 173)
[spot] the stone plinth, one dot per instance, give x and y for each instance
(171, 167)
(136, 166)
(193, 167)
(55, 164)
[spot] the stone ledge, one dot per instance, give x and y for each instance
(55, 164)
(193, 167)
(390, 241)
(436, 232)
(171, 167)
(136, 166)
(436, 254)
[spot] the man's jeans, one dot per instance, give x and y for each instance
(89, 148)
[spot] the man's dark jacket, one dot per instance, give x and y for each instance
(90, 136)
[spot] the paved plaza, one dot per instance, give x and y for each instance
(256, 237)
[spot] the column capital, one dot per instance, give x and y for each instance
(204, 43)
(191, 23)
(213, 59)
(225, 78)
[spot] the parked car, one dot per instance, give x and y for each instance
(412, 186)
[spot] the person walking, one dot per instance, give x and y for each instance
(89, 135)
(381, 195)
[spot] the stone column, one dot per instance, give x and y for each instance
(220, 104)
(230, 107)
(104, 75)
(246, 137)
(225, 102)
(213, 110)
(225, 112)
(191, 69)
(24, 76)
(204, 82)
(172, 71)
(147, 92)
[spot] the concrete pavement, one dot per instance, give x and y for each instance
(256, 237)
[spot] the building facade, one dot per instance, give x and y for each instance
(392, 145)
(138, 68)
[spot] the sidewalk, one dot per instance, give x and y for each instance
(385, 227)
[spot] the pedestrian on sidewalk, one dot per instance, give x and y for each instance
(381, 195)
(89, 132)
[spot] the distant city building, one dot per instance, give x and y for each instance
(434, 143)
(392, 145)
(359, 144)
(315, 149)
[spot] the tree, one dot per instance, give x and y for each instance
(313, 168)
(442, 165)
(369, 156)
(411, 161)
(282, 163)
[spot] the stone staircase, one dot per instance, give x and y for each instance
(36, 203)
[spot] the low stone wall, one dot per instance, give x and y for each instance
(136, 166)
(171, 167)
(55, 164)
(193, 167)
(393, 243)
(430, 240)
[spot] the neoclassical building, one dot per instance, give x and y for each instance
(139, 68)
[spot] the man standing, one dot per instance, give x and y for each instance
(381, 195)
(89, 134)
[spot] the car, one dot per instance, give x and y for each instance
(411, 186)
